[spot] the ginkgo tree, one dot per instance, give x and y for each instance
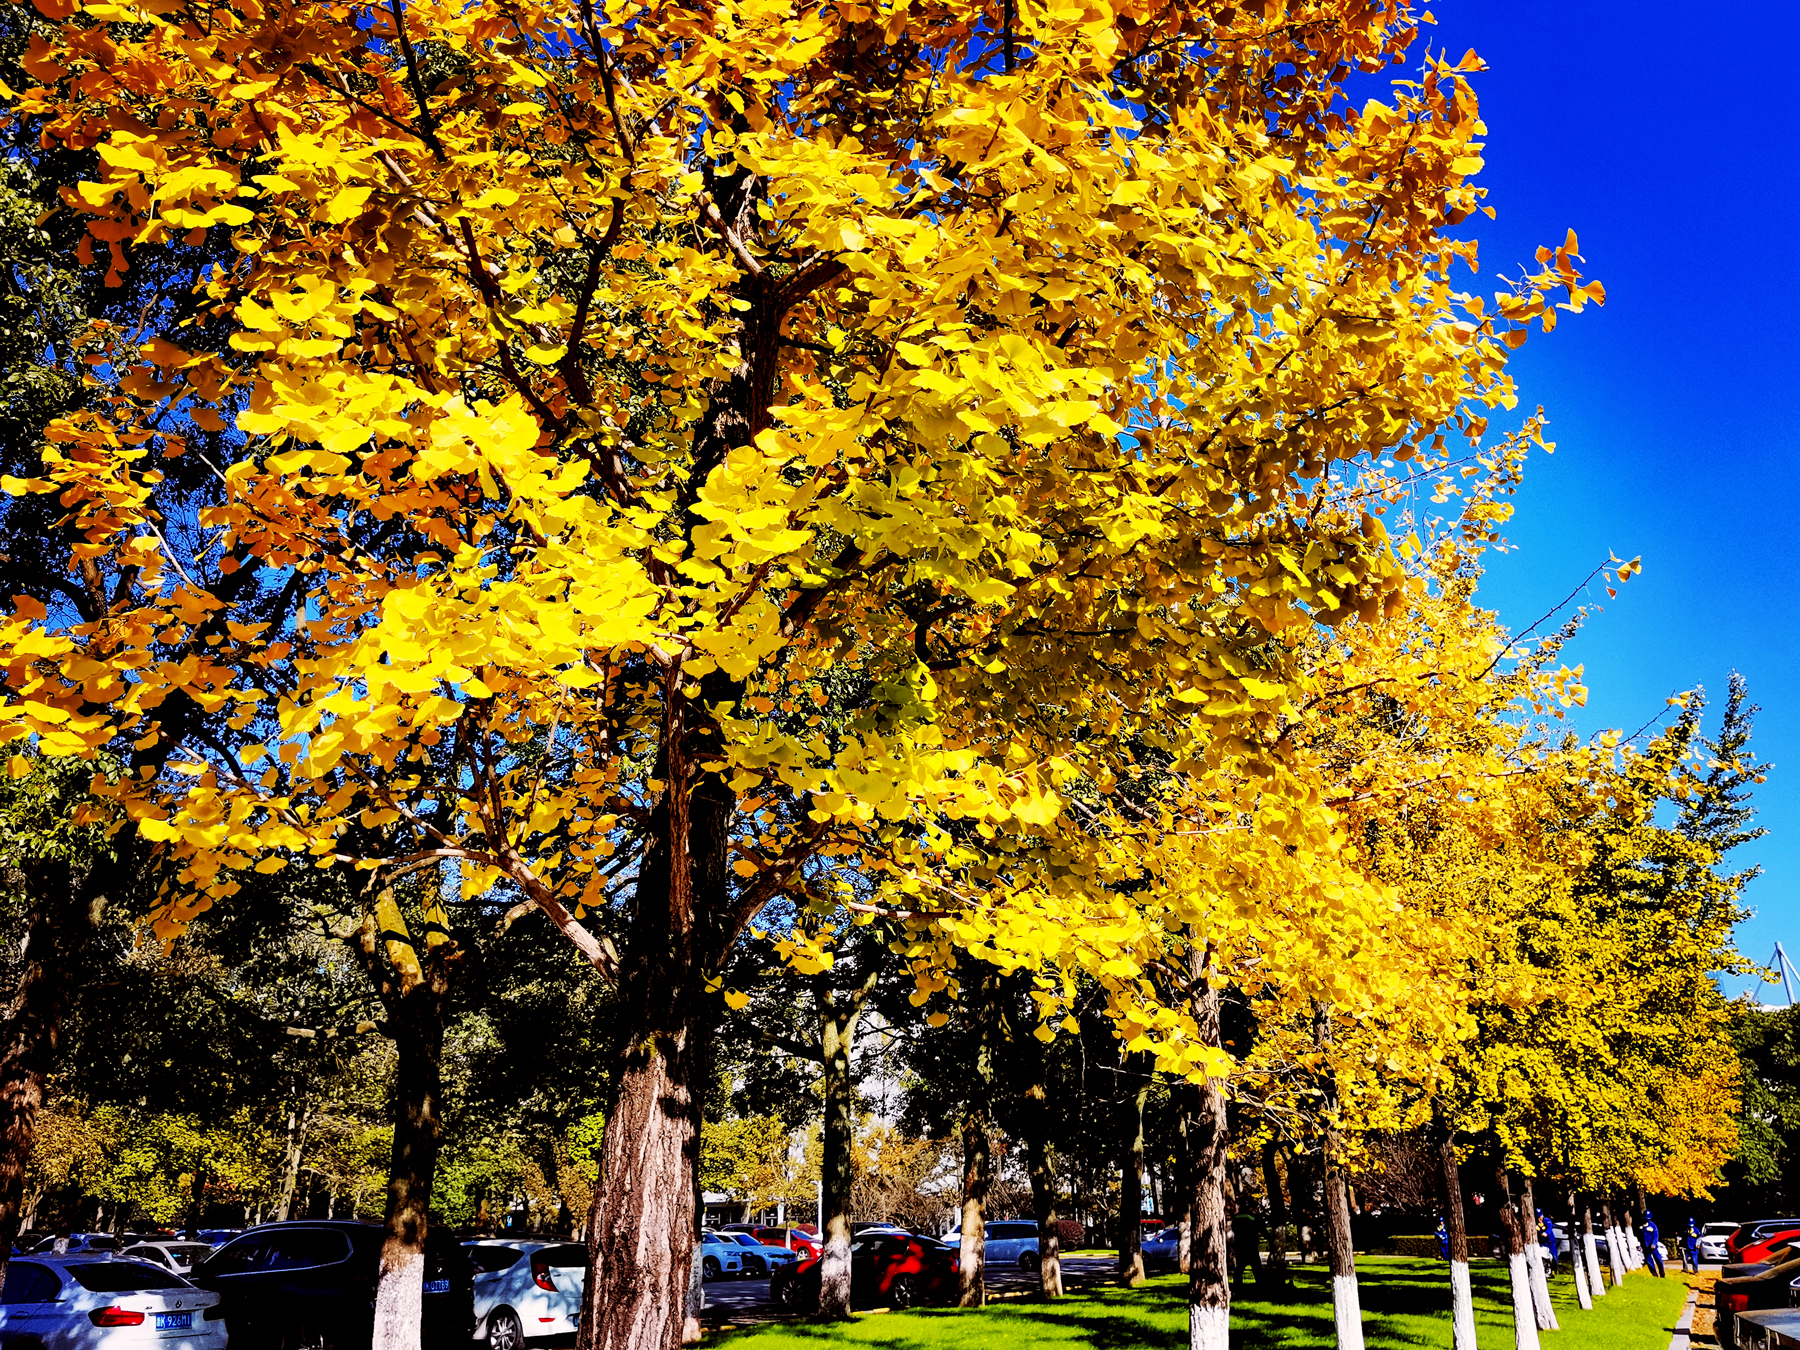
(681, 451)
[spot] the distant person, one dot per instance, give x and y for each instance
(1443, 1239)
(1245, 1246)
(1552, 1246)
(1690, 1248)
(1653, 1246)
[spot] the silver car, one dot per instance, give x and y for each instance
(1010, 1242)
(1712, 1241)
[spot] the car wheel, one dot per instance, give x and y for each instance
(900, 1292)
(709, 1268)
(504, 1331)
(1028, 1260)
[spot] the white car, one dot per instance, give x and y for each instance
(1010, 1242)
(1712, 1241)
(526, 1289)
(176, 1256)
(101, 1302)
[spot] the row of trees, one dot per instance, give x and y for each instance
(779, 498)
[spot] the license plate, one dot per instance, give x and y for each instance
(174, 1321)
(437, 1286)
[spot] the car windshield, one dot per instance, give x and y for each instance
(743, 1239)
(1718, 1229)
(122, 1277)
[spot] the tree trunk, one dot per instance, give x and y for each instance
(642, 1225)
(1346, 1302)
(1209, 1226)
(1591, 1249)
(835, 1168)
(1043, 1176)
(977, 1159)
(299, 1120)
(1462, 1298)
(1525, 1328)
(1182, 1095)
(1131, 1173)
(1278, 1219)
(58, 931)
(1534, 1259)
(1578, 1258)
(417, 1025)
(1615, 1248)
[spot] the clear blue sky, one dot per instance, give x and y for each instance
(1669, 138)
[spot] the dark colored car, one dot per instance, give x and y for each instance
(895, 1270)
(1755, 1232)
(1767, 1288)
(311, 1284)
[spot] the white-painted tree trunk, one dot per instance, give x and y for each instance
(1615, 1255)
(399, 1299)
(1462, 1308)
(1346, 1312)
(1540, 1286)
(1636, 1248)
(1597, 1277)
(1209, 1328)
(1580, 1264)
(1525, 1327)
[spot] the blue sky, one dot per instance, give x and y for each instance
(1669, 139)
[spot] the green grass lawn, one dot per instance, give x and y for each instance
(1405, 1301)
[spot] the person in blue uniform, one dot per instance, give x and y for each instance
(1690, 1247)
(1551, 1245)
(1653, 1246)
(1443, 1239)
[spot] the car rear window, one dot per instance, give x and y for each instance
(122, 1277)
(296, 1250)
(489, 1259)
(565, 1256)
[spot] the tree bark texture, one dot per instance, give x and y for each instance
(1043, 1180)
(1346, 1301)
(642, 1226)
(60, 926)
(1591, 1249)
(1209, 1223)
(1578, 1258)
(1525, 1327)
(1135, 1078)
(1462, 1297)
(417, 1026)
(977, 1155)
(299, 1121)
(1534, 1258)
(834, 1261)
(1615, 1249)
(1278, 1218)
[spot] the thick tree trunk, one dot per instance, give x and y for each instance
(1131, 1172)
(60, 926)
(1346, 1301)
(642, 1226)
(1209, 1224)
(417, 1026)
(1278, 1219)
(1462, 1298)
(1043, 1181)
(1525, 1327)
(1591, 1249)
(977, 1157)
(834, 1262)
(1534, 1259)
(1578, 1258)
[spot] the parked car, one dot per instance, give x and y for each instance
(1010, 1242)
(312, 1283)
(796, 1240)
(176, 1256)
(719, 1256)
(759, 1258)
(1767, 1249)
(100, 1302)
(1162, 1247)
(526, 1289)
(896, 1270)
(78, 1243)
(1768, 1288)
(218, 1236)
(1712, 1241)
(1757, 1229)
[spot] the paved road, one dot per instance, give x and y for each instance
(748, 1300)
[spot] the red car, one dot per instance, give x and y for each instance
(893, 1270)
(1760, 1249)
(794, 1239)
(1752, 1233)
